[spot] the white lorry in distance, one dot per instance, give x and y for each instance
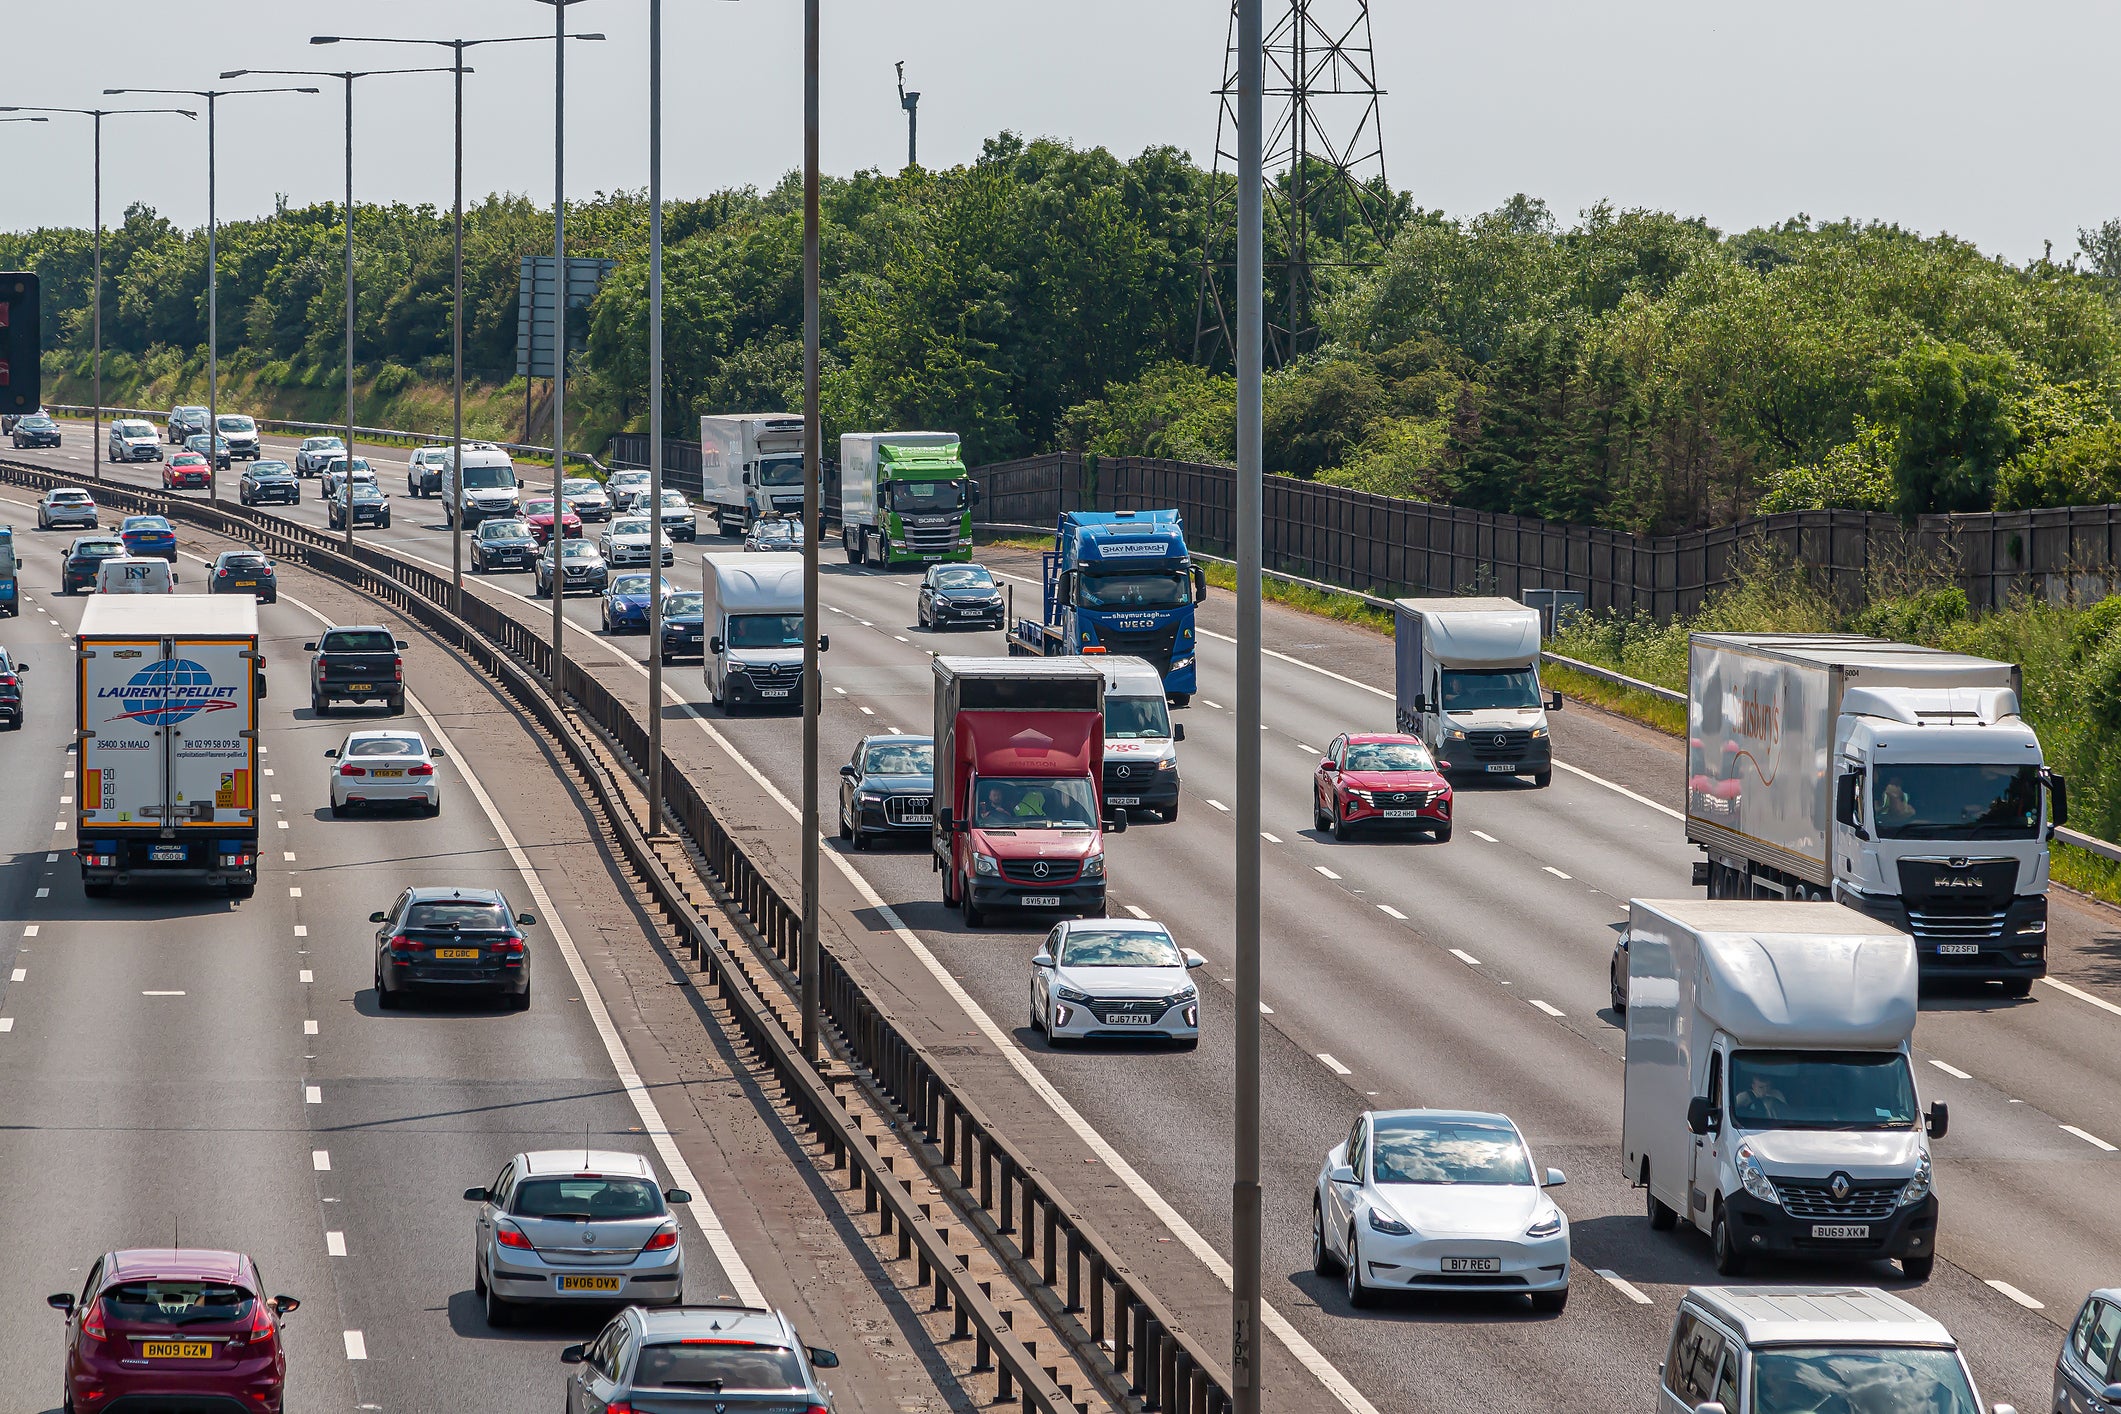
(751, 464)
(1897, 779)
(751, 622)
(166, 717)
(1467, 679)
(1769, 1098)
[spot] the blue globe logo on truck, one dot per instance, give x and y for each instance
(162, 694)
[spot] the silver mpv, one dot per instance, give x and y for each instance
(577, 1227)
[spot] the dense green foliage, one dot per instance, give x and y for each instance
(1635, 369)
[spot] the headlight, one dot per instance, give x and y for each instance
(2036, 926)
(1187, 993)
(1918, 1187)
(1167, 764)
(1069, 994)
(984, 864)
(1094, 867)
(1364, 796)
(1177, 663)
(1454, 734)
(1390, 1226)
(1546, 1226)
(870, 797)
(1751, 1175)
(1539, 733)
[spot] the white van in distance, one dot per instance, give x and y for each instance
(133, 574)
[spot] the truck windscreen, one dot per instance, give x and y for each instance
(1801, 1380)
(1957, 802)
(1034, 803)
(1133, 589)
(1489, 689)
(927, 498)
(484, 478)
(765, 631)
(1136, 718)
(781, 471)
(1821, 1090)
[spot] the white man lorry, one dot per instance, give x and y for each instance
(166, 720)
(1769, 1099)
(1467, 674)
(1896, 779)
(751, 464)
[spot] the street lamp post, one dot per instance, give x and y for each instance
(655, 416)
(95, 423)
(813, 464)
(348, 76)
(213, 330)
(456, 47)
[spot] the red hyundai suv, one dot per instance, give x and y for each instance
(1380, 779)
(162, 1325)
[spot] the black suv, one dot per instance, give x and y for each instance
(85, 556)
(370, 506)
(958, 594)
(11, 691)
(244, 572)
(269, 481)
(185, 422)
(443, 939)
(359, 664)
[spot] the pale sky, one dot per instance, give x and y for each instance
(1989, 120)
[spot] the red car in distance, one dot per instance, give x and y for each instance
(538, 513)
(185, 471)
(1380, 779)
(174, 1328)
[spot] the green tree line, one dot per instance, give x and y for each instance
(1635, 368)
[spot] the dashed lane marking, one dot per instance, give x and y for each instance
(1138, 912)
(356, 1346)
(320, 1160)
(2088, 1137)
(1216, 705)
(1333, 1065)
(44, 893)
(309, 1028)
(1952, 1070)
(301, 931)
(1390, 912)
(312, 1094)
(1270, 838)
(308, 976)
(7, 1023)
(1465, 957)
(161, 994)
(335, 1244)
(1624, 1287)
(18, 974)
(1552, 870)
(1219, 806)
(1484, 835)
(30, 931)
(1307, 749)
(294, 891)
(2016, 1295)
(1547, 1007)
(1325, 871)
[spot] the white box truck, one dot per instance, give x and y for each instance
(1467, 674)
(1769, 1098)
(166, 721)
(751, 619)
(1897, 779)
(751, 464)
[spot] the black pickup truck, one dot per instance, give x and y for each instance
(357, 664)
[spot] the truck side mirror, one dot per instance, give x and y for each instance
(1940, 1120)
(1200, 585)
(2058, 799)
(1554, 702)
(1178, 731)
(946, 820)
(979, 493)
(1712, 1406)
(1421, 704)
(824, 642)
(747, 478)
(1116, 822)
(714, 645)
(1701, 1118)
(1846, 792)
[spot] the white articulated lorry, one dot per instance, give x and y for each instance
(751, 464)
(166, 704)
(1896, 779)
(1467, 673)
(1769, 1097)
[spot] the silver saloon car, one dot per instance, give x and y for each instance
(1114, 978)
(562, 1227)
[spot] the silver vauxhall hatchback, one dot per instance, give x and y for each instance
(576, 1227)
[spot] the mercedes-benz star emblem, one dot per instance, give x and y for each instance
(1040, 869)
(1123, 771)
(1838, 1185)
(1502, 741)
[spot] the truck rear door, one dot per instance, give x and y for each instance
(211, 715)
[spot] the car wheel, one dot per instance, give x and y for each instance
(846, 830)
(1318, 816)
(397, 706)
(318, 707)
(857, 837)
(1550, 1303)
(1359, 1295)
(499, 1314)
(1918, 1268)
(386, 999)
(1730, 1262)
(432, 808)
(521, 1000)
(1542, 779)
(1323, 1262)
(1170, 812)
(1612, 986)
(338, 810)
(1442, 835)
(1662, 1217)
(1336, 827)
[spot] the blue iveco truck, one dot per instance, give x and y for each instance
(1120, 582)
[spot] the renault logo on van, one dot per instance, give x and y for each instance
(1839, 1186)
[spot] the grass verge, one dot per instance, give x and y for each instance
(1667, 717)
(1345, 608)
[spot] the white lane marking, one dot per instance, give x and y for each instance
(44, 893)
(1307, 749)
(51, 859)
(1325, 871)
(312, 1094)
(1333, 1065)
(865, 623)
(1390, 912)
(1552, 870)
(841, 691)
(58, 824)
(288, 855)
(866, 712)
(2083, 996)
(1561, 765)
(1265, 1010)
(335, 1244)
(1216, 705)
(320, 1160)
(1484, 835)
(281, 823)
(268, 770)
(294, 891)
(2088, 1137)
(356, 1346)
(1322, 672)
(1465, 957)
(2016, 1295)
(1219, 806)
(18, 974)
(1952, 1070)
(66, 800)
(7, 1023)
(69, 775)
(1624, 1287)
(900, 637)
(309, 1028)
(1547, 1007)
(30, 931)
(161, 994)
(301, 931)
(308, 976)
(1270, 839)
(1138, 912)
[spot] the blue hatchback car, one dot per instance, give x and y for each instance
(149, 537)
(626, 602)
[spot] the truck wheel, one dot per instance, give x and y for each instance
(95, 890)
(1170, 812)
(1181, 699)
(1542, 779)
(1918, 1268)
(974, 916)
(1730, 1262)
(243, 889)
(2018, 987)
(1662, 1218)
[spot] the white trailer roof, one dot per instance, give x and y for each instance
(770, 582)
(166, 615)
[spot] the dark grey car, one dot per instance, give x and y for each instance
(2088, 1371)
(734, 1359)
(887, 790)
(185, 422)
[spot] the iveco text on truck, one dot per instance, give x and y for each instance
(1900, 780)
(751, 464)
(1019, 747)
(1769, 1099)
(166, 719)
(905, 498)
(1467, 673)
(1120, 582)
